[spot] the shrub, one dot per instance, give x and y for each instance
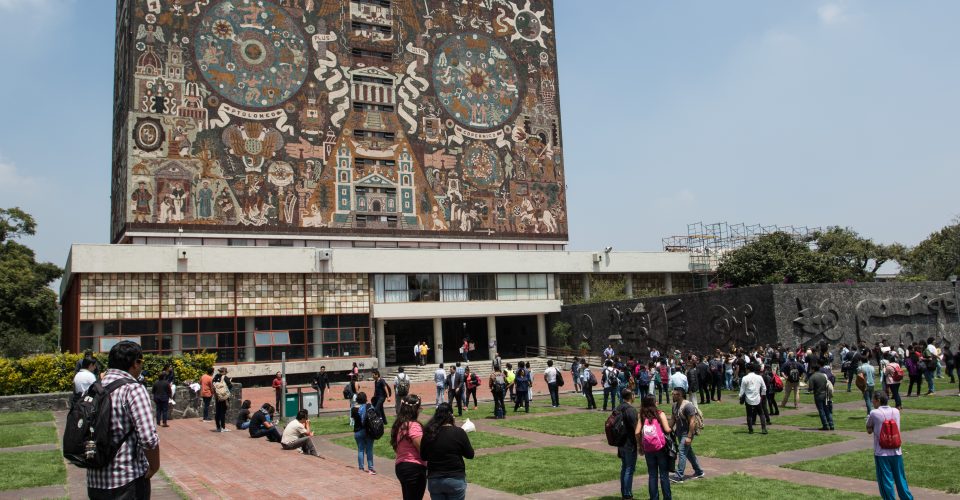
(43, 373)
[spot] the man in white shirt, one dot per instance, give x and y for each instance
(751, 389)
(550, 376)
(440, 378)
(85, 377)
(297, 434)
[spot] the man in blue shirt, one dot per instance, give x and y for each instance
(868, 373)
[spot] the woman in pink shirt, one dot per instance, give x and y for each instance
(405, 438)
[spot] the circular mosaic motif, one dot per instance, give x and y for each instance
(251, 52)
(481, 166)
(148, 134)
(528, 25)
(476, 81)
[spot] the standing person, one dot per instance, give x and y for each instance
(381, 393)
(401, 388)
(930, 363)
(752, 389)
(405, 438)
(277, 385)
(822, 391)
(790, 372)
(511, 380)
(893, 374)
(769, 378)
(84, 377)
(472, 381)
(321, 382)
(424, 350)
(223, 399)
(575, 374)
(716, 373)
(297, 434)
(352, 387)
(416, 354)
(948, 360)
(497, 363)
(162, 392)
(693, 381)
(364, 442)
(550, 377)
(643, 381)
(440, 378)
(913, 372)
(530, 379)
(868, 374)
(521, 386)
(465, 349)
(627, 452)
(587, 381)
(138, 458)
(444, 446)
(455, 389)
(728, 373)
(608, 353)
(663, 381)
(498, 388)
(887, 454)
(684, 416)
(206, 392)
(704, 379)
(653, 427)
(611, 385)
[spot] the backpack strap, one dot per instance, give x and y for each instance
(108, 389)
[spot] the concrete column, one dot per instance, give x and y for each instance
(492, 335)
(667, 283)
(437, 340)
(381, 344)
(250, 352)
(586, 286)
(628, 285)
(97, 333)
(542, 332)
(317, 337)
(176, 330)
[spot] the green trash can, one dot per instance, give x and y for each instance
(291, 404)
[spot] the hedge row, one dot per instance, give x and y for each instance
(43, 373)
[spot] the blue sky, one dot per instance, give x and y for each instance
(805, 113)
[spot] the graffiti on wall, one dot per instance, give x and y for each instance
(361, 115)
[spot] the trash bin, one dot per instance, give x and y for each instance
(291, 404)
(310, 401)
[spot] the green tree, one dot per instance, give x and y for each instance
(779, 258)
(28, 309)
(860, 256)
(935, 258)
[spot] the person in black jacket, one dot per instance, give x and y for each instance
(704, 379)
(220, 417)
(162, 392)
(321, 382)
(444, 446)
(261, 424)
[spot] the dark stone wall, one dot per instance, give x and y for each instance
(790, 314)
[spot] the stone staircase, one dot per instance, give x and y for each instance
(480, 367)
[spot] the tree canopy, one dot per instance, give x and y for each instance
(935, 258)
(28, 308)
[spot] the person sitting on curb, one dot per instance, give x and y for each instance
(261, 424)
(297, 435)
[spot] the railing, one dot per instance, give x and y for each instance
(558, 354)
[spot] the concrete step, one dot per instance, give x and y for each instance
(480, 367)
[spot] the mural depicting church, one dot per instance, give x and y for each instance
(379, 116)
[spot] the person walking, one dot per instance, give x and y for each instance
(472, 381)
(321, 382)
(913, 372)
(550, 377)
(297, 434)
(790, 373)
(627, 452)
(222, 387)
(867, 370)
(893, 374)
(497, 384)
(358, 415)
(381, 394)
(653, 432)
(401, 387)
(575, 368)
(440, 378)
(822, 394)
(684, 417)
(465, 350)
(610, 385)
(455, 384)
(752, 390)
(405, 438)
(884, 424)
(206, 392)
(587, 381)
(443, 447)
(162, 392)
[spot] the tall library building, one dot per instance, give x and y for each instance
(336, 182)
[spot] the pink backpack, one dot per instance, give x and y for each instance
(652, 438)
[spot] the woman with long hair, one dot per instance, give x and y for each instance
(405, 437)
(444, 446)
(364, 442)
(658, 460)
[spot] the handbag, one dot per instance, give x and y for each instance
(673, 450)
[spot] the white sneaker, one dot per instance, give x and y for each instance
(226, 430)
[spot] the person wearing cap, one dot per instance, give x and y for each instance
(220, 416)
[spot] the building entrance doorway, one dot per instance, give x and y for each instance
(514, 334)
(456, 329)
(406, 333)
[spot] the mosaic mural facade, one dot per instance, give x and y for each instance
(393, 117)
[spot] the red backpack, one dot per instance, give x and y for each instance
(777, 383)
(889, 434)
(897, 373)
(664, 374)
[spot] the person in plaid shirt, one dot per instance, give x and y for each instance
(128, 475)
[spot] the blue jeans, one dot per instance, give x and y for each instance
(826, 413)
(686, 453)
(447, 488)
(658, 469)
(628, 463)
(728, 380)
(929, 376)
(895, 393)
(891, 479)
(163, 411)
(439, 394)
(868, 398)
(609, 392)
(364, 445)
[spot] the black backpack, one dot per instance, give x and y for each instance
(372, 423)
(403, 386)
(616, 429)
(499, 385)
(794, 374)
(610, 376)
(87, 438)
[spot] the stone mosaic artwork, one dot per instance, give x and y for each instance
(402, 117)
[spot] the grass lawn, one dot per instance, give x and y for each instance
(29, 469)
(733, 442)
(946, 403)
(485, 409)
(926, 465)
(544, 469)
(25, 417)
(26, 434)
(478, 439)
(728, 409)
(737, 485)
(856, 420)
(840, 395)
(330, 425)
(952, 437)
(571, 425)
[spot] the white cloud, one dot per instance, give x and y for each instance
(831, 13)
(11, 180)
